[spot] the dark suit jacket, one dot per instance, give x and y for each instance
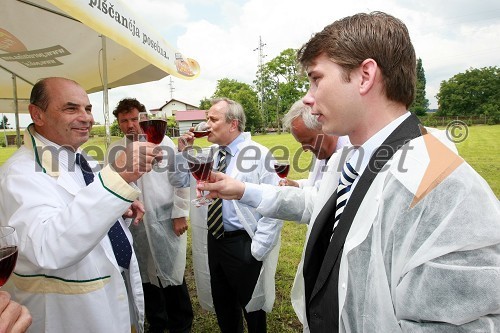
(322, 257)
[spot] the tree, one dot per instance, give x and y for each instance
(475, 92)
(246, 96)
(282, 85)
(4, 123)
(205, 104)
(420, 104)
(114, 129)
(171, 122)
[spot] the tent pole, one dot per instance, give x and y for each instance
(4, 132)
(16, 109)
(105, 91)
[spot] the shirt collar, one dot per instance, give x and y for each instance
(233, 147)
(362, 155)
(51, 160)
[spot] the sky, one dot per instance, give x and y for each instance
(450, 36)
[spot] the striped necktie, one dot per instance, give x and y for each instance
(214, 220)
(119, 241)
(343, 191)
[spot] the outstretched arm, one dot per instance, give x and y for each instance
(222, 186)
(285, 202)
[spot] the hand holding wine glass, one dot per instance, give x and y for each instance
(202, 129)
(200, 164)
(14, 317)
(8, 253)
(186, 140)
(282, 168)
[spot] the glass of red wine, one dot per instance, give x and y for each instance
(202, 129)
(8, 253)
(200, 162)
(282, 168)
(154, 127)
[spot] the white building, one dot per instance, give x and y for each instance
(185, 114)
(189, 118)
(174, 105)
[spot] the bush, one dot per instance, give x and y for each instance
(114, 130)
(252, 130)
(98, 130)
(495, 118)
(428, 121)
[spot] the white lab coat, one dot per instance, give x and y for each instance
(429, 267)
(66, 273)
(301, 205)
(160, 252)
(265, 232)
(315, 174)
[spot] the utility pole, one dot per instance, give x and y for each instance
(260, 88)
(171, 84)
(278, 104)
(278, 100)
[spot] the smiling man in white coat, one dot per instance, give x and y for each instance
(405, 234)
(76, 271)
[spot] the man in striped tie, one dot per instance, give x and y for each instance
(241, 243)
(416, 245)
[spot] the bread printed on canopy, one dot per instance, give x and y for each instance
(188, 67)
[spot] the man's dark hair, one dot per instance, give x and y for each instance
(126, 105)
(379, 36)
(39, 96)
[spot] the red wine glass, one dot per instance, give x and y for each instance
(154, 126)
(8, 253)
(282, 168)
(200, 162)
(202, 129)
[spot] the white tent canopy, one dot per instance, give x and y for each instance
(42, 38)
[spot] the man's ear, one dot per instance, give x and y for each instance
(368, 70)
(37, 114)
(234, 125)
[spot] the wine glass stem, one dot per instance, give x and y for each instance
(202, 191)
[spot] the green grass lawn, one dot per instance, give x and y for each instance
(481, 149)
